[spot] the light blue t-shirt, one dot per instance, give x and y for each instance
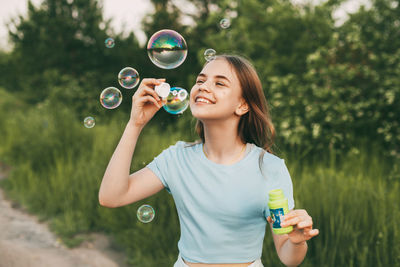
(222, 209)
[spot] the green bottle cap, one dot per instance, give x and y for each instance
(276, 194)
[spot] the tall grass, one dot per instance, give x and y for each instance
(57, 167)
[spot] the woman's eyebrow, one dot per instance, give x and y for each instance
(216, 76)
(222, 77)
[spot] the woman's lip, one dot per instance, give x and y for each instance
(205, 98)
(199, 102)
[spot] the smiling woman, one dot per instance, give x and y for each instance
(220, 183)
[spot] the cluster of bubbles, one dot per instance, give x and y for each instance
(166, 49)
(210, 54)
(145, 213)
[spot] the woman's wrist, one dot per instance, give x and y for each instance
(133, 124)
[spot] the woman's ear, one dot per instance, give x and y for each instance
(242, 109)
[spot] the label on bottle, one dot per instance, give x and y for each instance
(277, 216)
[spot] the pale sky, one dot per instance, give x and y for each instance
(129, 13)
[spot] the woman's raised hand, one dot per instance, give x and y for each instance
(145, 102)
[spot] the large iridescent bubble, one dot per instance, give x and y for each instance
(110, 97)
(167, 49)
(128, 78)
(177, 101)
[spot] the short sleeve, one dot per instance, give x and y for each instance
(287, 185)
(160, 166)
(282, 181)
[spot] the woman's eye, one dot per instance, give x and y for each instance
(199, 81)
(220, 84)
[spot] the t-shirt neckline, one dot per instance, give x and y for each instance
(249, 149)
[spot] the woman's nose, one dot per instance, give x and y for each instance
(204, 87)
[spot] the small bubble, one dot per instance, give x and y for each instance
(145, 213)
(128, 78)
(210, 54)
(109, 42)
(89, 122)
(110, 97)
(225, 23)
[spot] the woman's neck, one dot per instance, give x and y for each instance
(222, 142)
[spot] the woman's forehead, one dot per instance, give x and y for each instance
(219, 67)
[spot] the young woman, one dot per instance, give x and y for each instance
(220, 184)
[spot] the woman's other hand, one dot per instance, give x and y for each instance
(302, 225)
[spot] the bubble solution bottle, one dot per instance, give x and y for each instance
(278, 207)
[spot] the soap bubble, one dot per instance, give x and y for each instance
(210, 54)
(167, 49)
(89, 122)
(145, 213)
(225, 23)
(110, 97)
(109, 42)
(128, 78)
(177, 101)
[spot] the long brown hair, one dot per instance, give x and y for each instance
(255, 126)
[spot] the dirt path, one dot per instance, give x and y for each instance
(26, 242)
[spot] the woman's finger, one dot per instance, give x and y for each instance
(305, 223)
(295, 213)
(152, 81)
(311, 233)
(314, 232)
(147, 98)
(150, 91)
(292, 221)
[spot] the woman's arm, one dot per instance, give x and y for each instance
(115, 180)
(292, 247)
(115, 183)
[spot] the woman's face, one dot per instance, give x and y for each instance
(217, 93)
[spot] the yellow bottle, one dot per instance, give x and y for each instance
(278, 207)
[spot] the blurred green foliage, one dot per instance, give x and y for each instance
(328, 86)
(333, 91)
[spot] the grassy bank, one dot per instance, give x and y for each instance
(57, 166)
